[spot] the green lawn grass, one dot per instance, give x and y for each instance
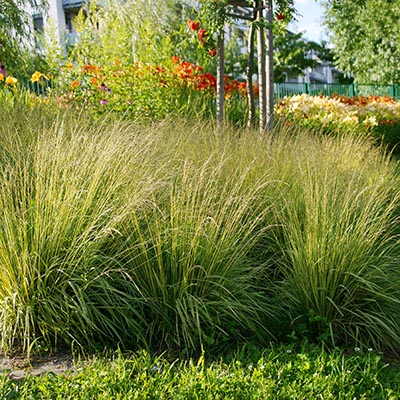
(275, 373)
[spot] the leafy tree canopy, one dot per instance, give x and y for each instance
(14, 29)
(365, 35)
(291, 54)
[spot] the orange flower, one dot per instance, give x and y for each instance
(212, 52)
(202, 34)
(90, 68)
(175, 59)
(94, 81)
(75, 84)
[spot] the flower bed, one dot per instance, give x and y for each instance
(378, 116)
(145, 91)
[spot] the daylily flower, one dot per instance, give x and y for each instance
(193, 25)
(36, 76)
(75, 84)
(202, 34)
(90, 68)
(175, 59)
(11, 81)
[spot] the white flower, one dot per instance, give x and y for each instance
(370, 121)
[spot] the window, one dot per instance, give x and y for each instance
(38, 23)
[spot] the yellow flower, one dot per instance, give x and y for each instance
(1, 77)
(37, 75)
(69, 65)
(11, 81)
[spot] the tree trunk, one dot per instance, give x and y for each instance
(269, 62)
(220, 80)
(261, 66)
(249, 78)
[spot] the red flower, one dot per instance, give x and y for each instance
(175, 59)
(202, 34)
(193, 25)
(212, 52)
(280, 17)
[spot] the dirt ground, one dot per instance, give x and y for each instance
(19, 367)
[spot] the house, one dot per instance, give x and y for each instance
(62, 14)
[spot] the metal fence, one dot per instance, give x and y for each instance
(329, 89)
(39, 88)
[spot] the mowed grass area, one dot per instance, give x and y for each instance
(308, 372)
(177, 238)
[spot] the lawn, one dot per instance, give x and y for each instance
(308, 372)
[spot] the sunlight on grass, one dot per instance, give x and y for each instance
(176, 236)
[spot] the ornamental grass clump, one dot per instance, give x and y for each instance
(61, 199)
(188, 256)
(339, 243)
(176, 236)
(124, 235)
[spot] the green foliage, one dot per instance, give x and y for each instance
(131, 31)
(364, 36)
(275, 373)
(291, 54)
(15, 54)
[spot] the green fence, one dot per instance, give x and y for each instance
(329, 89)
(39, 88)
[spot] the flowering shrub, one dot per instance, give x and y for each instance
(145, 91)
(376, 115)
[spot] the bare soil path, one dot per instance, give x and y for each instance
(18, 367)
